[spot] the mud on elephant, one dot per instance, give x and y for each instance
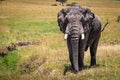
(82, 29)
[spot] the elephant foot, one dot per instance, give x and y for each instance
(75, 71)
(71, 69)
(80, 69)
(83, 68)
(94, 66)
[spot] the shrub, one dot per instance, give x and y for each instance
(118, 19)
(72, 4)
(62, 1)
(1, 1)
(53, 4)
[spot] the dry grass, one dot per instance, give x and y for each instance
(23, 20)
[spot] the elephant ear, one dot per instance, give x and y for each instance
(88, 15)
(61, 19)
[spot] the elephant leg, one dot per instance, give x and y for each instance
(81, 60)
(70, 50)
(83, 45)
(93, 50)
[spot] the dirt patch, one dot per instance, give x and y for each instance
(27, 43)
(4, 29)
(114, 42)
(5, 50)
(110, 47)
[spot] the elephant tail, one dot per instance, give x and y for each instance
(105, 25)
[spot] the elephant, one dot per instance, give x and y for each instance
(82, 29)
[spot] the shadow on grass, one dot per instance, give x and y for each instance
(68, 68)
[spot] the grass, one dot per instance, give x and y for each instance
(10, 61)
(23, 20)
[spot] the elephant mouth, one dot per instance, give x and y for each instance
(75, 32)
(82, 36)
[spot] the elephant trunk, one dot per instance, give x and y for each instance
(75, 45)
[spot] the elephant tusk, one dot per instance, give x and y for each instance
(66, 36)
(82, 36)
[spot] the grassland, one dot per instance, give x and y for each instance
(28, 20)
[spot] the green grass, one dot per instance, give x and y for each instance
(10, 61)
(28, 20)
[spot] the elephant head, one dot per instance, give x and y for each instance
(74, 17)
(74, 25)
(61, 18)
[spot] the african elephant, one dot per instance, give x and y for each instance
(82, 29)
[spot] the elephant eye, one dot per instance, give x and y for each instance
(66, 20)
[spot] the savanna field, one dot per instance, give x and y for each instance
(44, 55)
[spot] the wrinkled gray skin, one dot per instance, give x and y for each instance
(75, 21)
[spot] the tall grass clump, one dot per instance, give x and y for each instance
(31, 64)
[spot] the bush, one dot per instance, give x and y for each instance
(118, 19)
(53, 4)
(1, 1)
(62, 2)
(72, 4)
